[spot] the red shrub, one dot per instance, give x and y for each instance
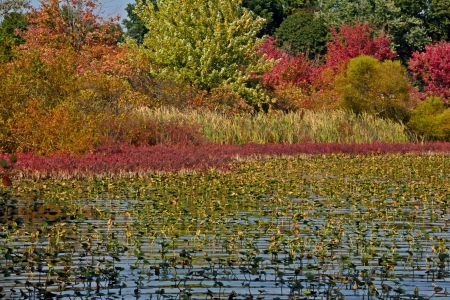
(432, 68)
(353, 41)
(289, 70)
(135, 161)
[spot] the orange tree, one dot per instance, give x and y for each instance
(69, 79)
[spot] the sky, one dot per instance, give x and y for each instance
(110, 8)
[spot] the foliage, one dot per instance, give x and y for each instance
(350, 42)
(135, 26)
(290, 98)
(302, 32)
(221, 99)
(289, 69)
(6, 167)
(439, 20)
(68, 80)
(407, 31)
(205, 43)
(432, 69)
(9, 6)
(293, 6)
(289, 82)
(431, 120)
(72, 24)
(62, 128)
(270, 10)
(354, 40)
(380, 88)
(8, 37)
(412, 32)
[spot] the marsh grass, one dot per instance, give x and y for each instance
(335, 126)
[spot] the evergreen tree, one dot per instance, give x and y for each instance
(303, 33)
(135, 27)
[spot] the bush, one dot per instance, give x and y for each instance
(221, 99)
(431, 120)
(380, 88)
(61, 129)
(432, 69)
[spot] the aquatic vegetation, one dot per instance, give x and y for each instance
(311, 227)
(129, 161)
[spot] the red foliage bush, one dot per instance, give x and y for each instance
(432, 69)
(354, 40)
(289, 70)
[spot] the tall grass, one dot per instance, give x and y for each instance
(335, 126)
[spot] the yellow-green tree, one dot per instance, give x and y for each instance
(206, 43)
(431, 120)
(380, 88)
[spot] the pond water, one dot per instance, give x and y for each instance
(214, 237)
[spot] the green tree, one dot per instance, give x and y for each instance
(439, 20)
(207, 43)
(8, 37)
(380, 88)
(270, 10)
(292, 6)
(302, 32)
(135, 27)
(431, 120)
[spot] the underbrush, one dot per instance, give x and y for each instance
(66, 129)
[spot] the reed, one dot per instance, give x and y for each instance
(327, 126)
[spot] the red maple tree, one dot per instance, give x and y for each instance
(432, 69)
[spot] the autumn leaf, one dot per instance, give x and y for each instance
(6, 181)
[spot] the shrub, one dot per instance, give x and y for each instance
(288, 69)
(222, 99)
(432, 69)
(379, 88)
(63, 128)
(136, 130)
(431, 120)
(292, 98)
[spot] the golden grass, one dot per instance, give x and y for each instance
(309, 126)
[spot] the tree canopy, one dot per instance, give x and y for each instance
(270, 10)
(407, 30)
(8, 6)
(207, 43)
(135, 27)
(303, 33)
